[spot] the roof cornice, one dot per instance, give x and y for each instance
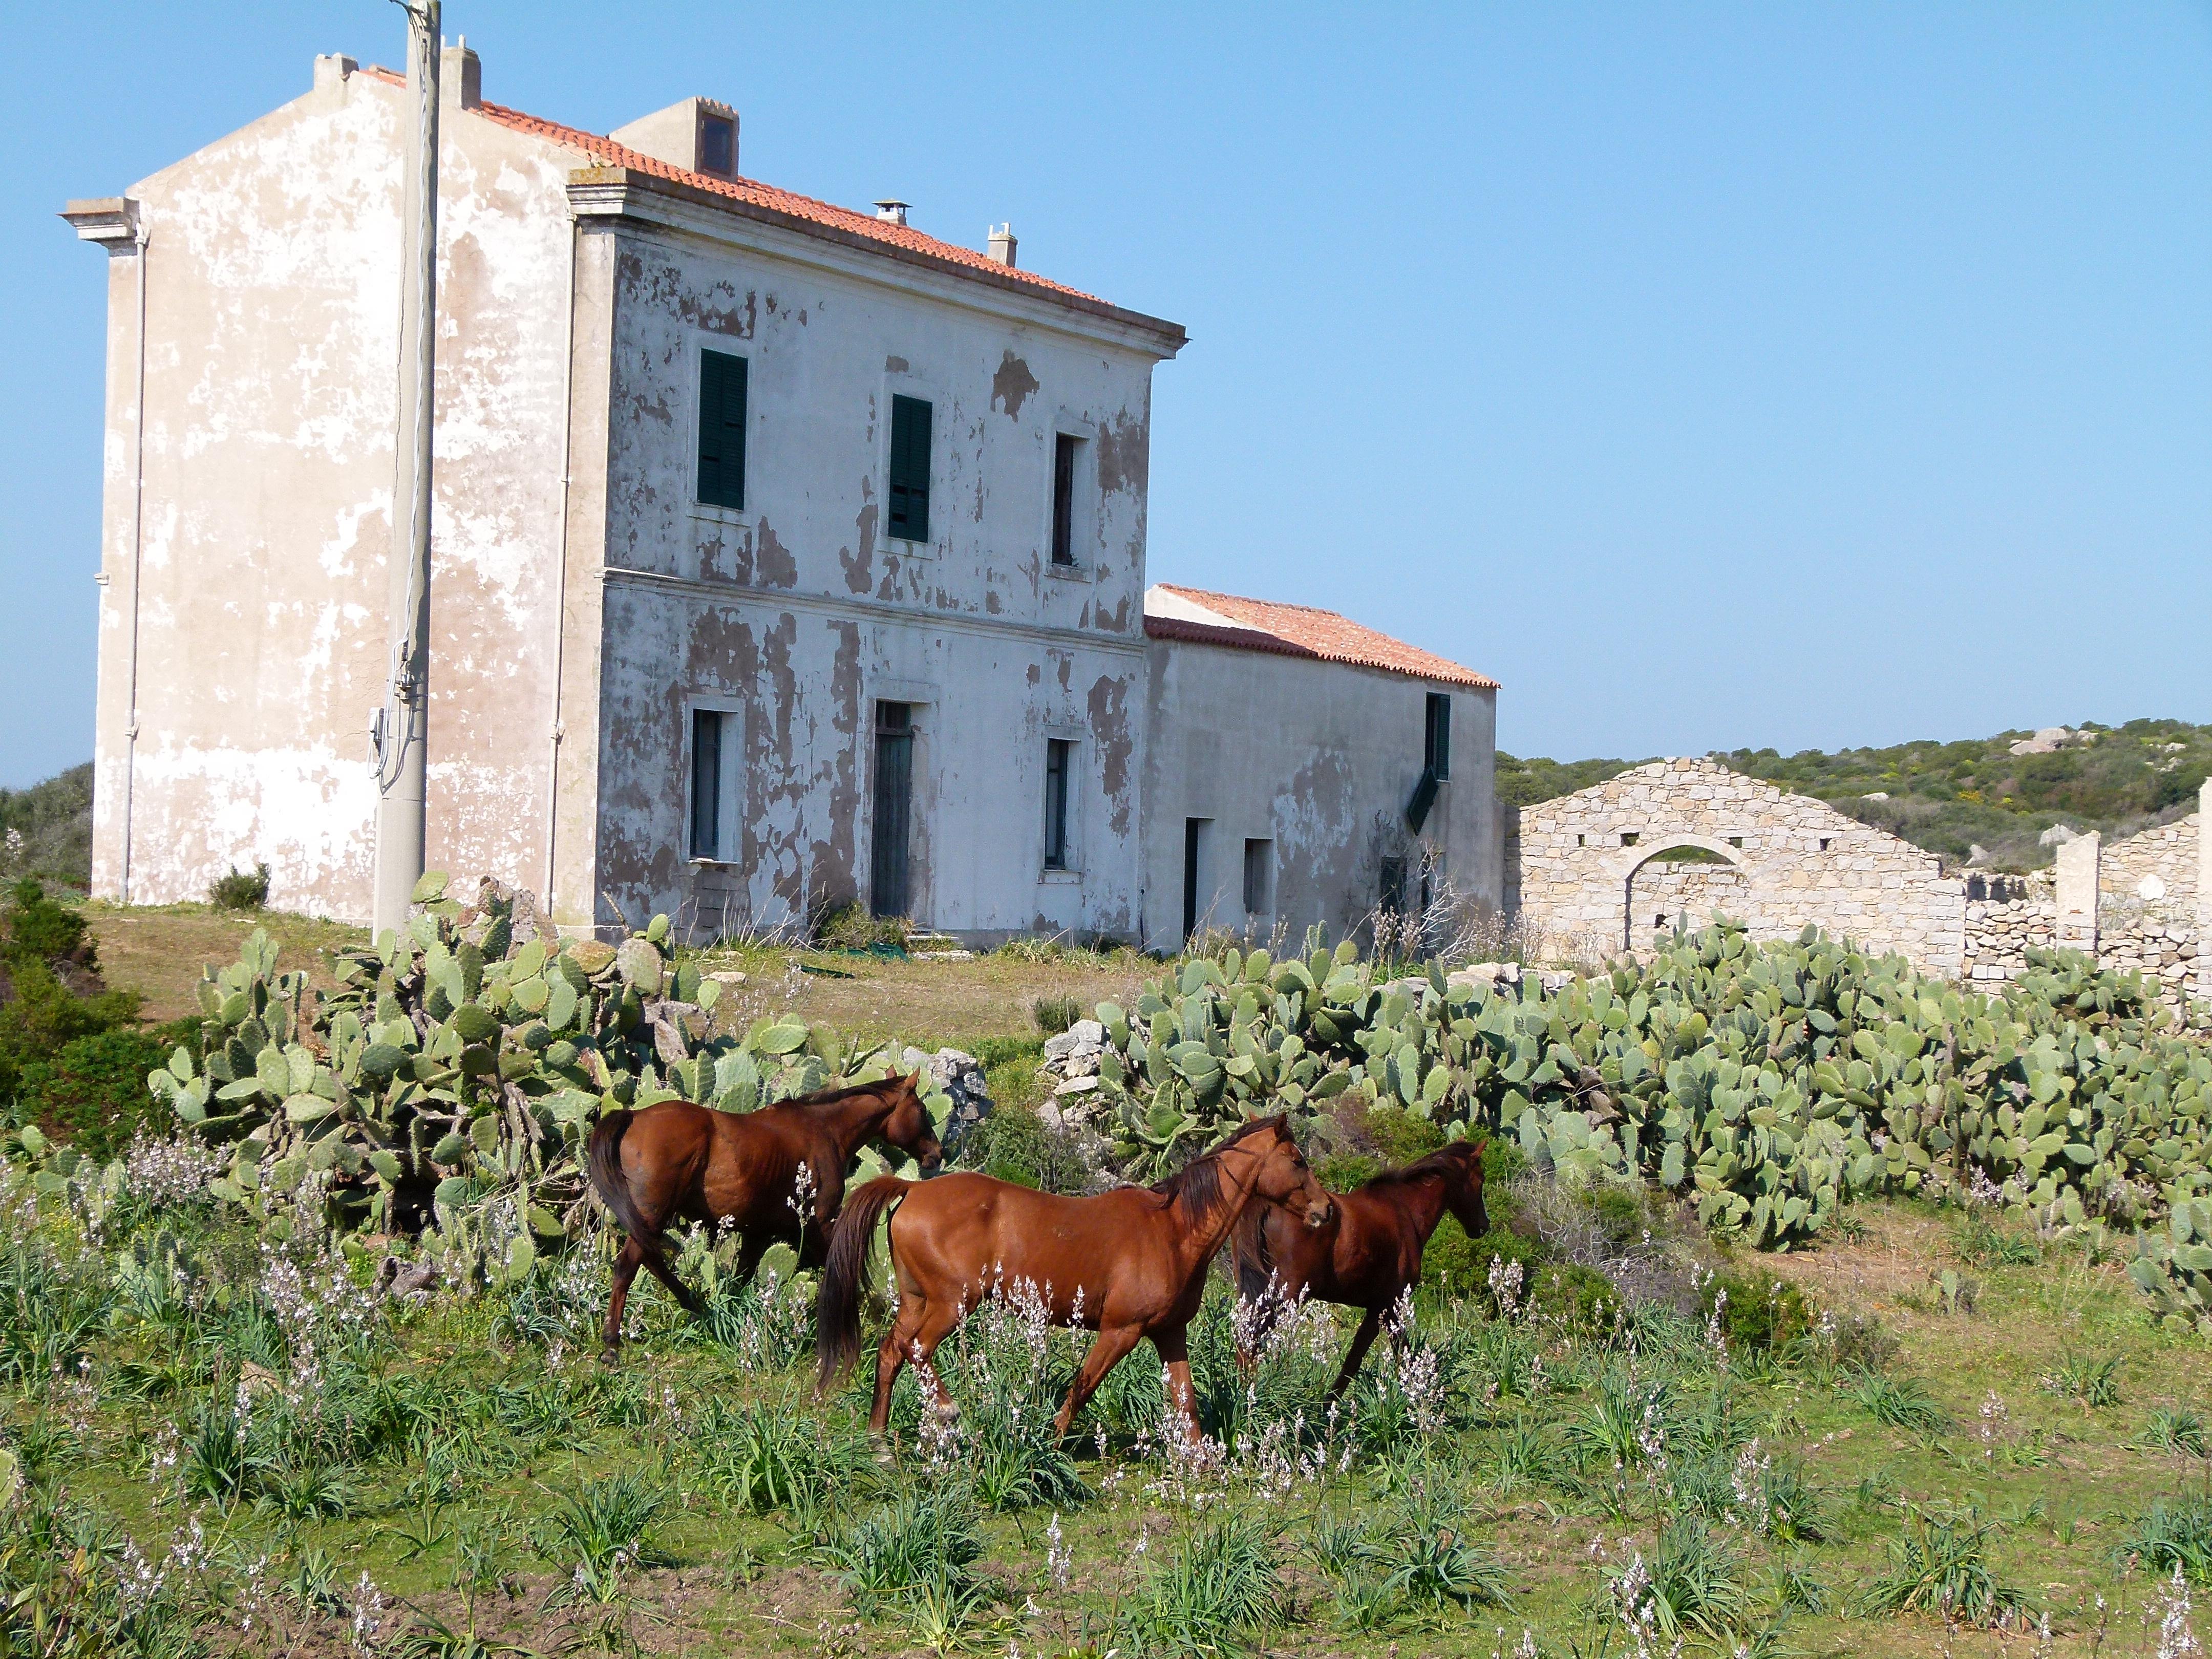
(111, 221)
(626, 193)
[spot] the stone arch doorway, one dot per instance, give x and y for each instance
(1679, 882)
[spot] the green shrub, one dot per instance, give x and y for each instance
(1461, 1266)
(2175, 1534)
(1010, 1145)
(1401, 1138)
(1580, 1299)
(93, 1095)
(1054, 1015)
(240, 889)
(1347, 1172)
(1212, 1595)
(33, 928)
(1762, 1311)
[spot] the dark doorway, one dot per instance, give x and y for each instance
(887, 886)
(1193, 849)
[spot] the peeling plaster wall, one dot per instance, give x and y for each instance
(801, 612)
(1575, 867)
(1318, 757)
(272, 296)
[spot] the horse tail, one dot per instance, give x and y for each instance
(607, 1178)
(845, 1276)
(1255, 1265)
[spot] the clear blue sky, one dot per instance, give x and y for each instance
(1712, 376)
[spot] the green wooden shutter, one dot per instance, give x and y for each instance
(909, 505)
(721, 430)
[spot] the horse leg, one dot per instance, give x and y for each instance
(890, 1359)
(627, 1263)
(1112, 1345)
(657, 1265)
(1362, 1340)
(1175, 1353)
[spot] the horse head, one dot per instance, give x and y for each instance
(1463, 1189)
(909, 1127)
(1287, 1179)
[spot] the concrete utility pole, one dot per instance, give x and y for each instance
(397, 739)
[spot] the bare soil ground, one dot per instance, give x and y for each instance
(160, 952)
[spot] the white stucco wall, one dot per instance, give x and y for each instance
(259, 544)
(800, 608)
(1318, 757)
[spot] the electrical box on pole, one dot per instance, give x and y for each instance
(400, 731)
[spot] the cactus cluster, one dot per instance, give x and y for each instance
(453, 1078)
(1767, 1083)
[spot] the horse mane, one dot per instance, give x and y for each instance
(845, 1091)
(1440, 1162)
(1198, 1183)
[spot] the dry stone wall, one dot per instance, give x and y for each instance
(1584, 879)
(1579, 863)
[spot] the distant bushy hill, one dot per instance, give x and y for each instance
(55, 821)
(1952, 797)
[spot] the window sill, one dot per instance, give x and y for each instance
(899, 547)
(1059, 877)
(714, 864)
(1070, 573)
(738, 518)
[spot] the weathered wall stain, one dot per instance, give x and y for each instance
(1012, 386)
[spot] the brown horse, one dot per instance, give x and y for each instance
(1370, 1251)
(675, 1161)
(1127, 1264)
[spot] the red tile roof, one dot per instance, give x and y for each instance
(1300, 630)
(604, 152)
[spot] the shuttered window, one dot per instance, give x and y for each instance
(721, 430)
(1437, 743)
(909, 514)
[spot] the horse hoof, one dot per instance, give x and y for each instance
(609, 1356)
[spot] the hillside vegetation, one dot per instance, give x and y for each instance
(47, 829)
(1953, 797)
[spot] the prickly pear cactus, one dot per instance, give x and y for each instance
(453, 1079)
(1768, 1084)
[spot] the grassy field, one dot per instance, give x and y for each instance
(454, 1464)
(220, 1440)
(160, 953)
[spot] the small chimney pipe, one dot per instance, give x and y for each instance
(1003, 245)
(891, 210)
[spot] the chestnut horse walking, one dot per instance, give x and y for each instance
(676, 1161)
(1127, 1264)
(1370, 1251)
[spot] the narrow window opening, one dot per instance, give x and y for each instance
(1579, 840)
(1824, 843)
(907, 507)
(1194, 861)
(1057, 755)
(1735, 840)
(887, 887)
(722, 429)
(1628, 837)
(707, 783)
(1064, 449)
(1258, 877)
(1436, 747)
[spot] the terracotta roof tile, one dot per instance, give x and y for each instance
(604, 152)
(1300, 630)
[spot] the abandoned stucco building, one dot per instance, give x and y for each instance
(1304, 768)
(782, 554)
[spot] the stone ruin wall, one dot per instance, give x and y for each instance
(1579, 863)
(1578, 887)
